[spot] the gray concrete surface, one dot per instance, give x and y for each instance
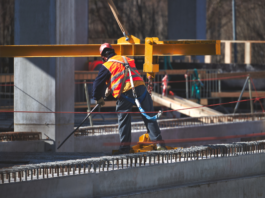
(96, 143)
(23, 146)
(252, 186)
(180, 175)
(9, 159)
(46, 84)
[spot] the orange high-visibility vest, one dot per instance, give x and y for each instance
(117, 71)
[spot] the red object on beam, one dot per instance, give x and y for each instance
(94, 64)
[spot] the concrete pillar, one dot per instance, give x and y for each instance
(187, 20)
(46, 84)
(81, 33)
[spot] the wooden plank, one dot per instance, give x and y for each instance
(252, 74)
(180, 104)
(91, 75)
(247, 53)
(79, 105)
(6, 78)
(204, 101)
(170, 72)
(242, 41)
(86, 75)
(207, 59)
(236, 94)
(228, 50)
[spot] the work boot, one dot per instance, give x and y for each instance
(160, 148)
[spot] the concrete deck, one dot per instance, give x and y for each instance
(235, 176)
(9, 159)
(95, 143)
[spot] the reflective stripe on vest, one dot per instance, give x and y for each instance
(120, 81)
(117, 70)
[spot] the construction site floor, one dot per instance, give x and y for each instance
(9, 159)
(6, 119)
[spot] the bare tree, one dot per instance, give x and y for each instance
(6, 32)
(141, 18)
(250, 25)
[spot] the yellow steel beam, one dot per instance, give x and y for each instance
(161, 48)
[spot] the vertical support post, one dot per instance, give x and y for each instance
(237, 104)
(247, 53)
(227, 52)
(88, 103)
(219, 84)
(219, 90)
(208, 59)
(149, 67)
(250, 96)
(234, 29)
(187, 86)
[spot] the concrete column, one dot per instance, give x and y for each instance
(45, 84)
(187, 20)
(81, 34)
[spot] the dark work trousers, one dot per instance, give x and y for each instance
(124, 119)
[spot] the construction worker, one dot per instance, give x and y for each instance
(111, 75)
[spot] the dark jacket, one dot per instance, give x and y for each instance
(99, 85)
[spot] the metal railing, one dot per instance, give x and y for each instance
(6, 90)
(19, 136)
(209, 85)
(226, 52)
(173, 123)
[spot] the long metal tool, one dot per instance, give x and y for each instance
(237, 104)
(77, 127)
(88, 102)
(250, 96)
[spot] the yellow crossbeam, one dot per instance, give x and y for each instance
(162, 48)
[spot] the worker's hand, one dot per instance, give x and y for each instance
(107, 92)
(101, 101)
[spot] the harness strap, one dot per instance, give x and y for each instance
(126, 65)
(136, 100)
(132, 100)
(136, 73)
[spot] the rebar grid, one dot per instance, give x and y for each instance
(172, 123)
(108, 163)
(19, 136)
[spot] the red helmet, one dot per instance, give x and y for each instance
(104, 46)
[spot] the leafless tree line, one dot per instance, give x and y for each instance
(6, 32)
(141, 18)
(250, 25)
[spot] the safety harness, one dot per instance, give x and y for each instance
(137, 100)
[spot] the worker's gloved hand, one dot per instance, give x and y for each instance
(107, 92)
(101, 102)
